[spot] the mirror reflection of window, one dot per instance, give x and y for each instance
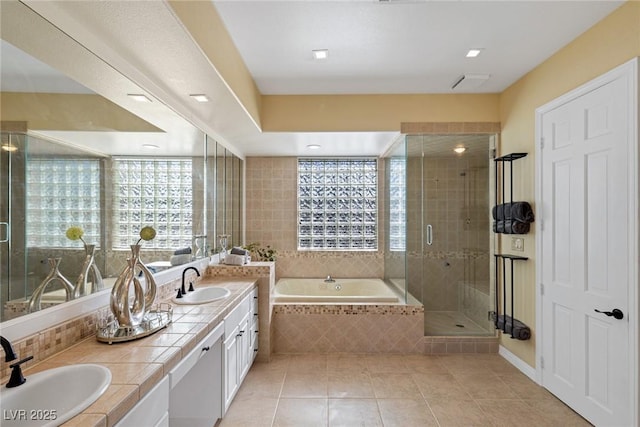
(155, 192)
(62, 192)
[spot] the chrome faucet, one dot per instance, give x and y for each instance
(16, 372)
(329, 279)
(183, 289)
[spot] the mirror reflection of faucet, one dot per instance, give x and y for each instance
(183, 288)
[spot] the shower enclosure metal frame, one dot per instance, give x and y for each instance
(439, 248)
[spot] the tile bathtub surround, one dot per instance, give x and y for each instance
(366, 328)
(393, 390)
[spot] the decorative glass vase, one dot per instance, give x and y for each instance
(223, 239)
(90, 279)
(130, 301)
(53, 276)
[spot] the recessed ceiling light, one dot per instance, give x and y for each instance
(150, 146)
(460, 150)
(473, 53)
(200, 97)
(313, 147)
(138, 97)
(320, 53)
(9, 147)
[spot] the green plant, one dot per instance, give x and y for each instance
(259, 253)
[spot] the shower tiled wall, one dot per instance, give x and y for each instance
(271, 185)
(455, 202)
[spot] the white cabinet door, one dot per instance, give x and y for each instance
(240, 341)
(231, 380)
(244, 350)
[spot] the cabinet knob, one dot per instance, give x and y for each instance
(207, 348)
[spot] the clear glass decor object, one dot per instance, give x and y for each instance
(90, 279)
(223, 239)
(53, 277)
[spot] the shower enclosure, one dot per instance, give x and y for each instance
(440, 243)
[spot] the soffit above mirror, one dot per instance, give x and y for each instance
(67, 94)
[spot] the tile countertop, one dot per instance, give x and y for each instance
(137, 366)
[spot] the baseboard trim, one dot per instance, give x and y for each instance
(522, 366)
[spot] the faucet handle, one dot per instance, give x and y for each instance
(16, 373)
(191, 287)
(179, 293)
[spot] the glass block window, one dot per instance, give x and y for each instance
(397, 204)
(337, 204)
(62, 193)
(155, 192)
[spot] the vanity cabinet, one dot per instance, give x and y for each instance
(196, 384)
(151, 410)
(239, 344)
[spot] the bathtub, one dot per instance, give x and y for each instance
(342, 291)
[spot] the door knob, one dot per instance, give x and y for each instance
(615, 313)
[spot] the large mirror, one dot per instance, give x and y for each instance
(80, 152)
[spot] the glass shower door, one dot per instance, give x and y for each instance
(12, 221)
(455, 233)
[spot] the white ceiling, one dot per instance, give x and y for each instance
(397, 46)
(375, 47)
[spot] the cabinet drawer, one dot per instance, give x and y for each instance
(233, 319)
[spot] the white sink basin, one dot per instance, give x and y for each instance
(49, 398)
(203, 295)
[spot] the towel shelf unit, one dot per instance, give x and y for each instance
(511, 226)
(506, 323)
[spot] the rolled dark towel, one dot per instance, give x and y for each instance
(238, 251)
(520, 330)
(509, 226)
(183, 251)
(498, 211)
(520, 211)
(513, 226)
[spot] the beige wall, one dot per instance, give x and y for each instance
(74, 112)
(611, 42)
(333, 113)
(272, 220)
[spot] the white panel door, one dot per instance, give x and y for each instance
(584, 240)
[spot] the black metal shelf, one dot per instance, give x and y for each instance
(505, 318)
(510, 157)
(503, 161)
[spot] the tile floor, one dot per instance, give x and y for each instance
(305, 390)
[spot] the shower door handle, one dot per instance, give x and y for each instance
(4, 239)
(429, 235)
